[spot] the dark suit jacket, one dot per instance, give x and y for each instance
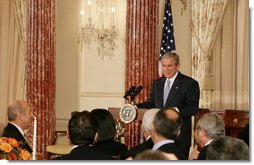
(172, 148)
(11, 131)
(202, 153)
(244, 134)
(84, 153)
(133, 152)
(116, 149)
(184, 95)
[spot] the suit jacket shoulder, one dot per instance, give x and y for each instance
(113, 148)
(133, 152)
(85, 153)
(202, 154)
(10, 131)
(172, 148)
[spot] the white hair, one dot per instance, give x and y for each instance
(147, 120)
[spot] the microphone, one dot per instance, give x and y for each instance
(132, 90)
(129, 92)
(139, 88)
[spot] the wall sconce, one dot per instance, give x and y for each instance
(104, 37)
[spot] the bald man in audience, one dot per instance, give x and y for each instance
(19, 116)
(166, 129)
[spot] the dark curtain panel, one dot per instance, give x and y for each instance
(40, 70)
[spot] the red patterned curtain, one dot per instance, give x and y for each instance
(40, 69)
(142, 53)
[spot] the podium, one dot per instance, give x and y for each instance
(130, 133)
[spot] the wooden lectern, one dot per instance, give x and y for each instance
(132, 131)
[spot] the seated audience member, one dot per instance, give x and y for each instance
(244, 134)
(210, 126)
(146, 127)
(166, 127)
(106, 133)
(19, 116)
(82, 131)
(155, 155)
(227, 148)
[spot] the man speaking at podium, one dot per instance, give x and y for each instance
(175, 89)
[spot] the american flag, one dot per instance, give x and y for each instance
(168, 39)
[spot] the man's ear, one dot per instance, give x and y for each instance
(68, 136)
(95, 138)
(142, 128)
(153, 129)
(144, 132)
(178, 66)
(19, 116)
(67, 133)
(178, 133)
(203, 133)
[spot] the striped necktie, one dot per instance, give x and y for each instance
(166, 91)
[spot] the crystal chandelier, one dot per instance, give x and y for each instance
(103, 37)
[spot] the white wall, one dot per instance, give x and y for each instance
(102, 79)
(67, 56)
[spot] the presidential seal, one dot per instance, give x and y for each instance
(128, 113)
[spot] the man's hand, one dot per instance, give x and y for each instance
(193, 152)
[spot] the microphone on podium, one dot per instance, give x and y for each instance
(139, 89)
(129, 92)
(129, 112)
(135, 93)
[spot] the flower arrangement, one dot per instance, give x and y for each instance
(11, 149)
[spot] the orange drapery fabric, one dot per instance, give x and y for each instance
(40, 69)
(142, 53)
